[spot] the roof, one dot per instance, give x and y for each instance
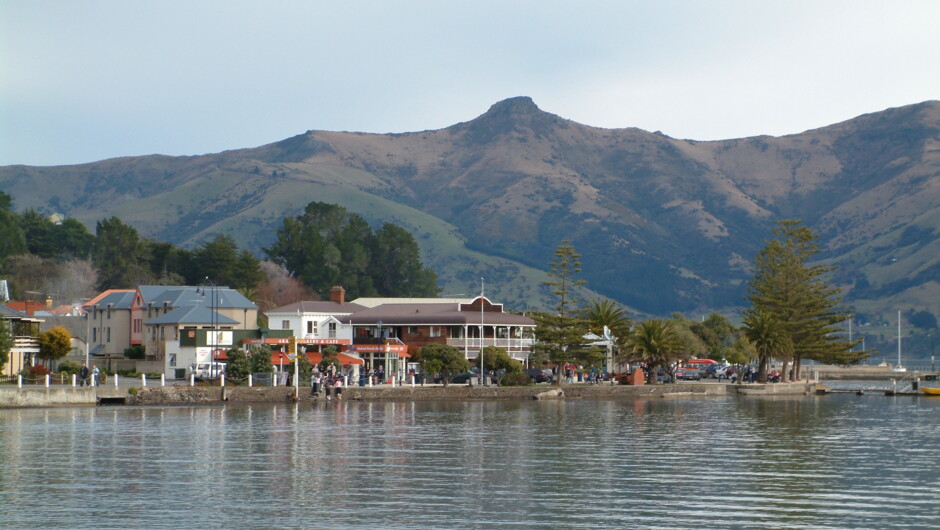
(192, 315)
(374, 302)
(118, 298)
(325, 307)
(432, 313)
(343, 358)
(180, 296)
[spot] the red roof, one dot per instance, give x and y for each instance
(317, 357)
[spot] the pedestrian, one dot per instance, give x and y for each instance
(316, 384)
(329, 389)
(83, 375)
(339, 388)
(94, 375)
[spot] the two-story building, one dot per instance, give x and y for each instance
(25, 347)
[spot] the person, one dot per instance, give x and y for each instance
(94, 374)
(83, 375)
(339, 387)
(329, 388)
(316, 384)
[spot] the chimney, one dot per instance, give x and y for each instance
(338, 295)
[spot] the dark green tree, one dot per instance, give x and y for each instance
(13, 241)
(40, 234)
(497, 359)
(237, 367)
(718, 334)
(120, 256)
(443, 360)
(215, 259)
(330, 361)
(563, 268)
(786, 286)
(259, 361)
(397, 268)
(607, 313)
(560, 339)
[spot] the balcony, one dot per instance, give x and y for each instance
(510, 345)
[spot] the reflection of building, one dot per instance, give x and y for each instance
(25, 347)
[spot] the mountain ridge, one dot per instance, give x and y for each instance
(663, 223)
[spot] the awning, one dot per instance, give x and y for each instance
(279, 358)
(317, 357)
(221, 355)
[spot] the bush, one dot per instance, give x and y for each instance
(135, 352)
(35, 373)
(70, 367)
(132, 390)
(515, 379)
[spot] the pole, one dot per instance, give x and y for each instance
(482, 373)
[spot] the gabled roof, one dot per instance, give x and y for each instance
(180, 296)
(375, 302)
(432, 314)
(192, 315)
(118, 298)
(325, 307)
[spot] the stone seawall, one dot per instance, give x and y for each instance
(187, 395)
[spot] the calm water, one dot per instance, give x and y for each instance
(831, 461)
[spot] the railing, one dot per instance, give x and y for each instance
(507, 343)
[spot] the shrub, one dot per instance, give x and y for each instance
(35, 373)
(132, 390)
(70, 367)
(515, 379)
(135, 352)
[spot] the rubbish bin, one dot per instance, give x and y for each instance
(362, 380)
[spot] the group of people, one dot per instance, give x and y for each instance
(573, 371)
(331, 383)
(84, 375)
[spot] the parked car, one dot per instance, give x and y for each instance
(716, 371)
(539, 376)
(206, 370)
(688, 374)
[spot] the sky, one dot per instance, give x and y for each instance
(89, 80)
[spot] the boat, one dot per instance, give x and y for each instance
(931, 391)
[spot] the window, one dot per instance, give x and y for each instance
(285, 324)
(412, 330)
(94, 334)
(172, 359)
(435, 331)
(332, 329)
(310, 327)
(109, 334)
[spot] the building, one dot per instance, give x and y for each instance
(25, 348)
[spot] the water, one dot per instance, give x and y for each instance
(831, 461)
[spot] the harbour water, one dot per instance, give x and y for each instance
(838, 461)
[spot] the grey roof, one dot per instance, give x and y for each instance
(182, 296)
(318, 307)
(430, 314)
(9, 312)
(192, 315)
(117, 299)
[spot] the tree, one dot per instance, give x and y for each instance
(304, 366)
(791, 290)
(259, 362)
(497, 359)
(13, 241)
(238, 367)
(55, 343)
(563, 267)
(330, 361)
(119, 256)
(606, 313)
(560, 339)
(443, 360)
(654, 342)
(6, 342)
(717, 332)
(770, 340)
(397, 267)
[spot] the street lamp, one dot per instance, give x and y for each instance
(482, 373)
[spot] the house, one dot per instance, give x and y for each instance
(25, 346)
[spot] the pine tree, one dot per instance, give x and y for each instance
(787, 287)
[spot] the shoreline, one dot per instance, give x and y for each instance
(175, 395)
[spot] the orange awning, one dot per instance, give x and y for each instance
(317, 357)
(279, 358)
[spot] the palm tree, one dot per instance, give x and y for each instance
(769, 337)
(654, 342)
(607, 313)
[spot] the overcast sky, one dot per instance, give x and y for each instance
(81, 81)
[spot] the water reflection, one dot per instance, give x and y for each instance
(846, 461)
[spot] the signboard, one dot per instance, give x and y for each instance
(378, 348)
(219, 338)
(298, 341)
(203, 355)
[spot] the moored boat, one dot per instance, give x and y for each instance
(930, 391)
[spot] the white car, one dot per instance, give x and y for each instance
(206, 370)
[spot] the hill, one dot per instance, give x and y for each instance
(663, 224)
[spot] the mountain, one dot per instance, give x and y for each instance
(663, 224)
